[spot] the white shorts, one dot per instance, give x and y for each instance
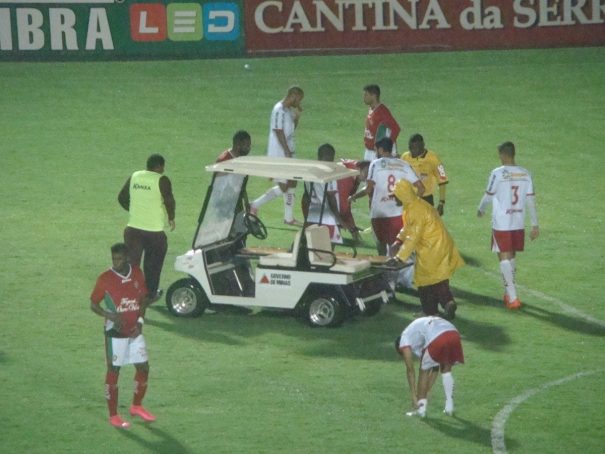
(125, 350)
(280, 155)
(427, 362)
(369, 155)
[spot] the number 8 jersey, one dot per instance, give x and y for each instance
(384, 173)
(509, 187)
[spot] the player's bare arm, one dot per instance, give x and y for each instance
(296, 115)
(441, 206)
(113, 316)
(124, 196)
(281, 138)
(367, 190)
(420, 188)
(408, 360)
(333, 204)
(169, 202)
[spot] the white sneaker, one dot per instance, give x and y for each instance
(420, 414)
(449, 408)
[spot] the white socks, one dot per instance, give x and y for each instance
(508, 275)
(448, 387)
(272, 193)
(289, 204)
(422, 408)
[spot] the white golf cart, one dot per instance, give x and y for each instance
(318, 285)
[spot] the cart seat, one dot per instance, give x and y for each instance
(318, 238)
(285, 259)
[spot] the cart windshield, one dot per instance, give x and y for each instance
(221, 209)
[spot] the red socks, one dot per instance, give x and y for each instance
(140, 387)
(111, 392)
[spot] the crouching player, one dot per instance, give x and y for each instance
(124, 294)
(436, 342)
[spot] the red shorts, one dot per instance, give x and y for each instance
(446, 349)
(346, 187)
(508, 240)
(387, 229)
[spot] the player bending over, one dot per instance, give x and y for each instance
(436, 342)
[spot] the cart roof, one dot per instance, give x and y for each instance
(284, 168)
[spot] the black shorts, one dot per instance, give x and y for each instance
(431, 296)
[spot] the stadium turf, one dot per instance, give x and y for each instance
(264, 382)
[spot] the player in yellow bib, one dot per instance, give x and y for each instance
(429, 169)
(147, 196)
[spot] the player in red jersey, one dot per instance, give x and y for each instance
(241, 145)
(123, 292)
(379, 122)
(346, 188)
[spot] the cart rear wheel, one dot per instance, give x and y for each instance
(185, 298)
(325, 311)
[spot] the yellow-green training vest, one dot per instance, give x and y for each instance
(147, 210)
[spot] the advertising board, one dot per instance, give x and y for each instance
(104, 29)
(316, 26)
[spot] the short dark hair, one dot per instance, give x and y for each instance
(154, 161)
(416, 138)
(507, 148)
(240, 136)
(295, 89)
(119, 248)
(385, 143)
(372, 89)
(326, 152)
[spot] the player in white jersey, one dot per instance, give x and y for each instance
(385, 212)
(511, 190)
(436, 342)
(313, 199)
(283, 123)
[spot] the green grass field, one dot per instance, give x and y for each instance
(266, 383)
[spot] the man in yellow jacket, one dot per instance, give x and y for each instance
(437, 257)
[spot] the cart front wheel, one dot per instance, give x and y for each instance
(185, 298)
(325, 312)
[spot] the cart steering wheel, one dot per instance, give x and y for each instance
(255, 226)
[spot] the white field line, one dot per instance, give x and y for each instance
(497, 433)
(562, 305)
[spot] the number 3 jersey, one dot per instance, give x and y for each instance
(384, 173)
(509, 187)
